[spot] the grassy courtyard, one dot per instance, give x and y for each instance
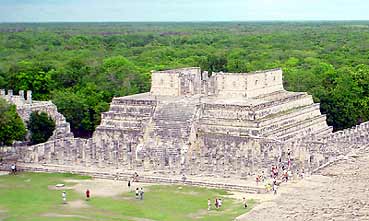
(30, 196)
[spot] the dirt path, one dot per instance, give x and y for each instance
(340, 192)
(57, 215)
(103, 187)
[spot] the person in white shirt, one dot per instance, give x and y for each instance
(244, 202)
(13, 169)
(220, 203)
(64, 196)
(275, 189)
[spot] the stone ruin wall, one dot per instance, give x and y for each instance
(185, 81)
(25, 106)
(202, 138)
(190, 81)
(213, 155)
(210, 154)
(248, 85)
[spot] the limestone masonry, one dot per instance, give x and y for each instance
(25, 106)
(225, 125)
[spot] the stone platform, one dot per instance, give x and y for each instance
(233, 125)
(246, 186)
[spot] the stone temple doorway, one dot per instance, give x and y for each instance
(186, 86)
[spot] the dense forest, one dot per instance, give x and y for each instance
(81, 66)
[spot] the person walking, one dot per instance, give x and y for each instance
(257, 180)
(135, 177)
(141, 194)
(137, 192)
(13, 168)
(129, 185)
(209, 204)
(275, 189)
(220, 202)
(87, 194)
(244, 202)
(64, 197)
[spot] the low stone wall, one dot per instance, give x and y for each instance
(145, 178)
(25, 106)
(195, 134)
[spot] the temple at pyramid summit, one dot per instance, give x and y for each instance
(195, 124)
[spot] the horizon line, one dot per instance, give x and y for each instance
(190, 21)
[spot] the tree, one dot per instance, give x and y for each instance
(70, 75)
(214, 63)
(121, 77)
(82, 109)
(346, 102)
(27, 75)
(41, 127)
(11, 125)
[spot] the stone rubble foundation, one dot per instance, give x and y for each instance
(227, 126)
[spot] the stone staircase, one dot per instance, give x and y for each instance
(62, 128)
(299, 129)
(281, 115)
(127, 114)
(172, 121)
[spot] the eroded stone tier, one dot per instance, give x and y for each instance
(25, 106)
(224, 125)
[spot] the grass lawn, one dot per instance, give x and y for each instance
(26, 196)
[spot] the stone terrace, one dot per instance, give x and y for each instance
(207, 128)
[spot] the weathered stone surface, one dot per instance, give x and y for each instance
(338, 192)
(26, 106)
(226, 125)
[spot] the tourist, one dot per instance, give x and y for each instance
(87, 194)
(244, 203)
(209, 204)
(285, 175)
(64, 197)
(257, 180)
(141, 194)
(184, 178)
(275, 189)
(274, 171)
(137, 192)
(262, 176)
(216, 203)
(220, 203)
(268, 187)
(135, 177)
(129, 185)
(13, 168)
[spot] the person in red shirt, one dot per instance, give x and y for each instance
(87, 194)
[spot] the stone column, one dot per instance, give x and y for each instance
(21, 94)
(10, 93)
(29, 96)
(2, 92)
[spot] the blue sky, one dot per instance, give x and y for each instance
(181, 10)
